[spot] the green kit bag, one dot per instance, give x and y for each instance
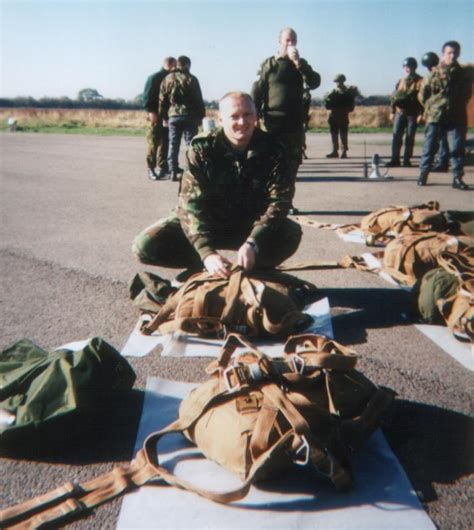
(41, 392)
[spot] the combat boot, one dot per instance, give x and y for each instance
(344, 154)
(459, 184)
(332, 154)
(152, 175)
(422, 180)
(175, 176)
(393, 163)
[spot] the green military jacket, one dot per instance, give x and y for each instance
(227, 194)
(180, 95)
(445, 94)
(151, 92)
(405, 97)
(341, 101)
(278, 90)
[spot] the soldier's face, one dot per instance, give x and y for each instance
(287, 38)
(449, 55)
(238, 119)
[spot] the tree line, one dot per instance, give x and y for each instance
(90, 98)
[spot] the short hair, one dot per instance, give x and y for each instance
(238, 94)
(454, 44)
(169, 61)
(289, 30)
(184, 61)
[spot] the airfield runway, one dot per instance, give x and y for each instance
(70, 208)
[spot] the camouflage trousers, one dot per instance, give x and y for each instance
(293, 139)
(165, 244)
(157, 145)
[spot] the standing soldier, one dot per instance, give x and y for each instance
(429, 61)
(181, 107)
(445, 94)
(157, 135)
(278, 95)
(340, 102)
(406, 112)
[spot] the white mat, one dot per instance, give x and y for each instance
(179, 344)
(382, 498)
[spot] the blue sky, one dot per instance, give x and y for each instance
(55, 48)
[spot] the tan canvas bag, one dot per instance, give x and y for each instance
(408, 257)
(458, 311)
(255, 304)
(384, 224)
(255, 416)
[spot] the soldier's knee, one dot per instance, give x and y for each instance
(141, 248)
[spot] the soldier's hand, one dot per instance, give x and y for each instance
(391, 117)
(294, 56)
(246, 257)
(153, 117)
(218, 265)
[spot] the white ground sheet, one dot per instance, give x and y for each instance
(382, 498)
(179, 344)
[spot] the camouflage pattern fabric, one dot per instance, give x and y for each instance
(180, 95)
(405, 97)
(445, 94)
(224, 193)
(157, 145)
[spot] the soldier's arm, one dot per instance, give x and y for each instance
(191, 204)
(164, 102)
(259, 88)
(310, 77)
(146, 95)
(200, 109)
(425, 91)
(280, 191)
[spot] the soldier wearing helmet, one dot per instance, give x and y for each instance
(406, 113)
(340, 102)
(441, 163)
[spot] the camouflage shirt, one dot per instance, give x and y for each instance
(405, 97)
(228, 194)
(180, 95)
(445, 94)
(278, 90)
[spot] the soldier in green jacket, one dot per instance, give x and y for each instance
(445, 94)
(406, 113)
(181, 108)
(278, 95)
(156, 135)
(235, 194)
(340, 102)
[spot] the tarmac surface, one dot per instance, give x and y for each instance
(70, 208)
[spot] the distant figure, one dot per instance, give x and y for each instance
(307, 116)
(441, 163)
(340, 102)
(445, 94)
(235, 195)
(157, 135)
(181, 108)
(406, 113)
(278, 95)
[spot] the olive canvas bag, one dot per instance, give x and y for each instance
(256, 416)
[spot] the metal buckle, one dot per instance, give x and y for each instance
(303, 448)
(240, 375)
(298, 363)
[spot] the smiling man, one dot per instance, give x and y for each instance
(235, 195)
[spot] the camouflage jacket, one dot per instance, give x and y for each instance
(278, 90)
(151, 92)
(405, 97)
(226, 194)
(180, 95)
(445, 94)
(341, 101)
